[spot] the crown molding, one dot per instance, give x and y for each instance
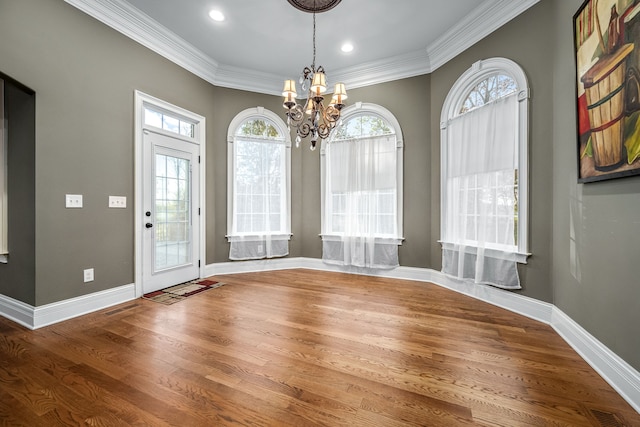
(484, 20)
(393, 68)
(249, 80)
(131, 22)
(128, 20)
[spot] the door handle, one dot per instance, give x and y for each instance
(148, 225)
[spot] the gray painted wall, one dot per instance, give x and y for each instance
(228, 103)
(584, 237)
(84, 75)
(405, 100)
(596, 227)
(19, 275)
(525, 40)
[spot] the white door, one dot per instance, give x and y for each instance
(170, 224)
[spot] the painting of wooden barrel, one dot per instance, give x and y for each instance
(604, 86)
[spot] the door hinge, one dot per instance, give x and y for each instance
(198, 159)
(198, 211)
(198, 263)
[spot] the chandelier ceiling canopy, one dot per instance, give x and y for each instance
(317, 6)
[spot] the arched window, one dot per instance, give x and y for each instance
(484, 174)
(258, 185)
(361, 168)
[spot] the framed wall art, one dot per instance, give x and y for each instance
(607, 51)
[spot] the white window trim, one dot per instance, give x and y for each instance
(478, 72)
(281, 127)
(4, 226)
(363, 109)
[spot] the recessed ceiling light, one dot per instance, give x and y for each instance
(347, 47)
(216, 15)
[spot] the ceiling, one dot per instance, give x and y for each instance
(262, 42)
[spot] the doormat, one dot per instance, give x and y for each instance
(177, 293)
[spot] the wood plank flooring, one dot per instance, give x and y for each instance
(302, 348)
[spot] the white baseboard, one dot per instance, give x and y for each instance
(17, 311)
(233, 267)
(618, 373)
(37, 317)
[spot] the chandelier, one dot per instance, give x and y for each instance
(313, 118)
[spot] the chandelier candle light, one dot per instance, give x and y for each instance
(314, 118)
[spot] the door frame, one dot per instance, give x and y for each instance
(140, 101)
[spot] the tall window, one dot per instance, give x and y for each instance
(362, 189)
(484, 174)
(4, 248)
(259, 206)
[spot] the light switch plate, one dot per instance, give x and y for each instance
(118, 202)
(88, 275)
(73, 200)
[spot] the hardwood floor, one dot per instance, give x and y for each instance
(302, 348)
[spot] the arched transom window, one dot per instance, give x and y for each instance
(490, 89)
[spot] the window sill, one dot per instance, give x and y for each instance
(520, 257)
(257, 237)
(388, 240)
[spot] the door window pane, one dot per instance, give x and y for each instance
(172, 215)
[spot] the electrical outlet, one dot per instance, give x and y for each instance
(118, 202)
(73, 200)
(88, 275)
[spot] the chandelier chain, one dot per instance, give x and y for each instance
(313, 63)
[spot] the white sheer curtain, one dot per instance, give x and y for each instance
(360, 225)
(260, 227)
(479, 242)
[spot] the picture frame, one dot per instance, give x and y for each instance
(607, 58)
